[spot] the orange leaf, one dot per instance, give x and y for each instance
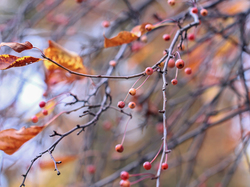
(48, 164)
(18, 47)
(139, 30)
(8, 61)
(11, 139)
(122, 38)
(62, 56)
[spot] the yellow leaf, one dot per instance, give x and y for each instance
(9, 61)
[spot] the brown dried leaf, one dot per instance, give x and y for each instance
(18, 47)
(122, 38)
(11, 139)
(9, 61)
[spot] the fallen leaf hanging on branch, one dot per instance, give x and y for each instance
(18, 47)
(9, 61)
(124, 37)
(11, 139)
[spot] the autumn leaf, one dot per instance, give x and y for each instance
(124, 37)
(68, 59)
(11, 139)
(18, 47)
(9, 61)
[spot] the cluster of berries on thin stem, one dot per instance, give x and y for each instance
(45, 110)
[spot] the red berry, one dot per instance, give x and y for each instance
(181, 47)
(194, 10)
(171, 2)
(79, 1)
(166, 37)
(164, 166)
(171, 63)
(144, 38)
(147, 165)
(174, 81)
(105, 24)
(179, 63)
(34, 119)
(124, 183)
(45, 112)
(119, 148)
(203, 12)
(149, 27)
(112, 63)
(149, 71)
(132, 91)
(91, 169)
(131, 105)
(42, 104)
(107, 125)
(124, 175)
(188, 71)
(136, 46)
(191, 37)
(121, 104)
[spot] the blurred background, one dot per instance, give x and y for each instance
(207, 112)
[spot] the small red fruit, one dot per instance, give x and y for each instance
(132, 91)
(91, 169)
(181, 47)
(171, 63)
(203, 12)
(171, 2)
(42, 104)
(194, 10)
(106, 24)
(144, 38)
(121, 104)
(34, 119)
(174, 81)
(131, 105)
(188, 71)
(124, 175)
(45, 112)
(179, 63)
(107, 125)
(124, 183)
(191, 37)
(149, 71)
(147, 165)
(112, 63)
(166, 37)
(149, 27)
(164, 166)
(119, 148)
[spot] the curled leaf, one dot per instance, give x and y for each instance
(18, 47)
(9, 61)
(11, 139)
(122, 38)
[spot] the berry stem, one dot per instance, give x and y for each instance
(56, 116)
(141, 179)
(141, 174)
(143, 83)
(132, 87)
(178, 54)
(176, 73)
(66, 93)
(125, 131)
(157, 154)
